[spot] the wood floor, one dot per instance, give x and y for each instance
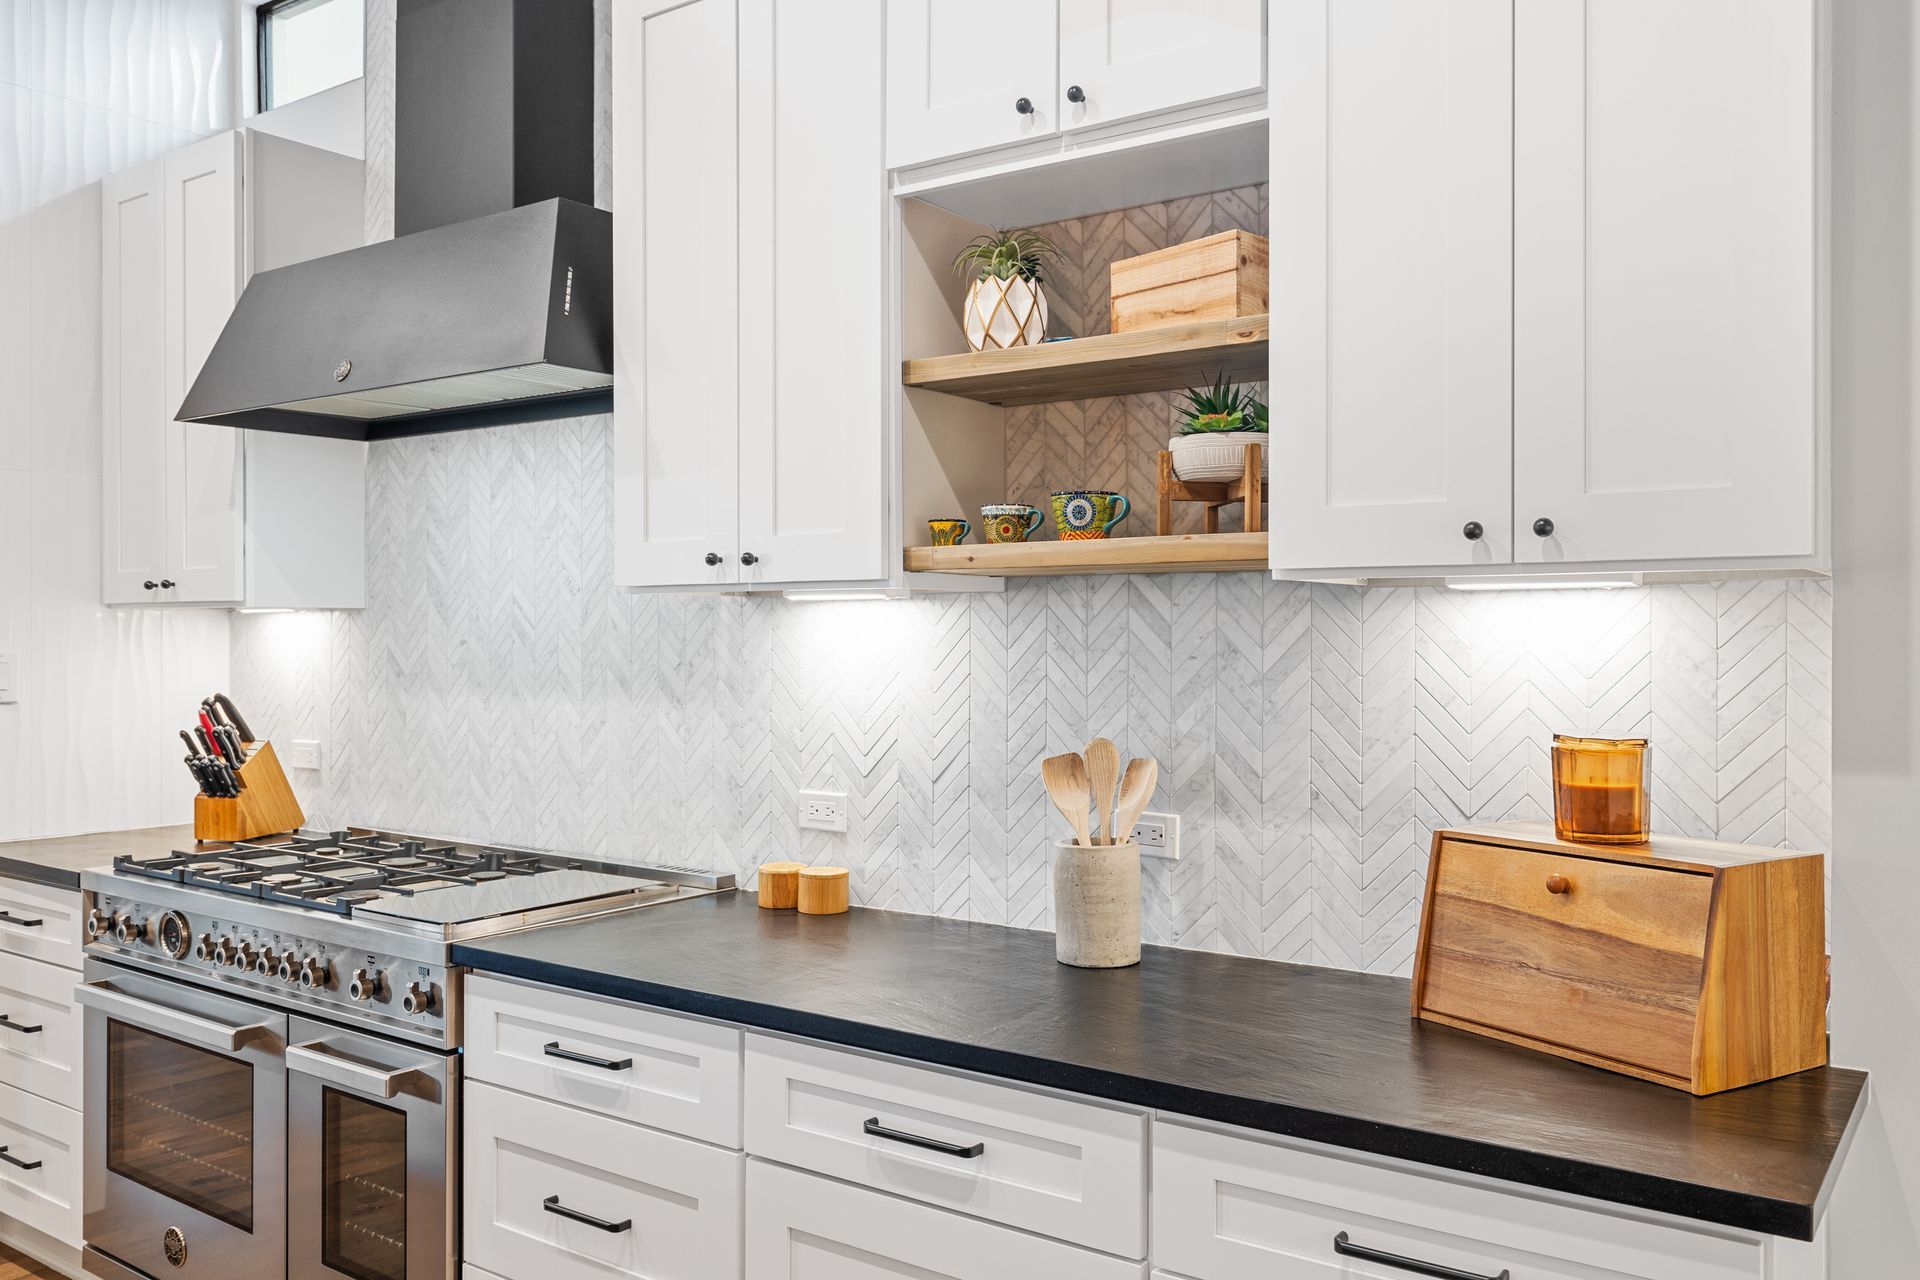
(16, 1266)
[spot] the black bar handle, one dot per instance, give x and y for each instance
(878, 1130)
(1347, 1249)
(7, 917)
(553, 1050)
(552, 1205)
(16, 1161)
(6, 1020)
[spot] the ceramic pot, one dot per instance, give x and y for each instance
(1010, 521)
(1217, 456)
(1088, 513)
(1004, 313)
(1096, 905)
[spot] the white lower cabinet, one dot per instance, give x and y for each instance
(800, 1227)
(40, 1031)
(40, 1164)
(40, 1059)
(558, 1194)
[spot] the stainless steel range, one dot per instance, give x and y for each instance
(272, 1027)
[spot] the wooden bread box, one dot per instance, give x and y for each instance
(1690, 963)
(1220, 277)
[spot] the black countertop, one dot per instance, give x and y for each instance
(59, 862)
(1320, 1054)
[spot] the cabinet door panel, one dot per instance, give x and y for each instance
(1131, 57)
(676, 304)
(1391, 263)
(134, 405)
(948, 93)
(814, 217)
(203, 278)
(1665, 304)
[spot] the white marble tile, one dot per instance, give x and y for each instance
(65, 343)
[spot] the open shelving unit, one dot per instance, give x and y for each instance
(1112, 364)
(1180, 553)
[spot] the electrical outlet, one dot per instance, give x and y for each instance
(303, 753)
(823, 810)
(1158, 835)
(9, 681)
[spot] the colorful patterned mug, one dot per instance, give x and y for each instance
(1088, 513)
(949, 533)
(1010, 521)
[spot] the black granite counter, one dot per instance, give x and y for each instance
(1320, 1054)
(60, 862)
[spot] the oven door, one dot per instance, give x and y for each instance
(370, 1161)
(185, 1128)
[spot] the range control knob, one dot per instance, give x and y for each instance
(99, 923)
(130, 930)
(204, 948)
(314, 974)
(418, 999)
(223, 951)
(288, 969)
(268, 963)
(366, 984)
(244, 956)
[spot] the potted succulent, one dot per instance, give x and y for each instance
(1005, 307)
(1219, 423)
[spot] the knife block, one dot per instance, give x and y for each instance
(264, 807)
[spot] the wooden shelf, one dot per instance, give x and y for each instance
(1164, 359)
(1181, 553)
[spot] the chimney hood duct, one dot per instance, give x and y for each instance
(495, 302)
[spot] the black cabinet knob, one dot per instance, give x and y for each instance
(748, 558)
(1024, 106)
(166, 584)
(1543, 527)
(1472, 531)
(151, 585)
(713, 558)
(1076, 94)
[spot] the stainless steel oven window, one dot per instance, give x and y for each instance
(363, 1187)
(180, 1122)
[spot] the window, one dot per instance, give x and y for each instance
(307, 46)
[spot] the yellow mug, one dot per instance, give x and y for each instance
(949, 533)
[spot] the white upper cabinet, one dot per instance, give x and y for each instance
(1124, 58)
(676, 306)
(1390, 205)
(950, 92)
(195, 513)
(1665, 269)
(752, 394)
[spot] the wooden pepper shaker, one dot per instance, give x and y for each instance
(823, 891)
(780, 885)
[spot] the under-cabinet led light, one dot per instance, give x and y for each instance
(263, 611)
(1547, 582)
(875, 594)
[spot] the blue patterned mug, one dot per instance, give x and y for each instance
(1088, 513)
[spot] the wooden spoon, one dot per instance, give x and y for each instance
(1103, 772)
(1066, 779)
(1136, 789)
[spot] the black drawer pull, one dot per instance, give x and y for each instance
(7, 917)
(7, 1021)
(878, 1130)
(16, 1161)
(1347, 1249)
(553, 1050)
(552, 1205)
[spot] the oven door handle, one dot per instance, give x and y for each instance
(310, 1059)
(221, 1037)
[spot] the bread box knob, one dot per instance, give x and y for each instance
(1558, 883)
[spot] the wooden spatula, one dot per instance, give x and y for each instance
(1066, 779)
(1103, 774)
(1136, 789)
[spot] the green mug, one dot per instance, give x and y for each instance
(949, 533)
(1088, 513)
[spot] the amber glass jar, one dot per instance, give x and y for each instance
(1600, 789)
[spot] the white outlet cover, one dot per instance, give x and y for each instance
(823, 810)
(1169, 849)
(9, 681)
(303, 753)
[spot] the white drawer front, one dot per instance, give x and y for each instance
(1233, 1208)
(46, 1198)
(800, 1227)
(1066, 1169)
(40, 922)
(471, 1272)
(681, 1198)
(664, 1071)
(44, 1061)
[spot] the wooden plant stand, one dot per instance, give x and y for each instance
(265, 807)
(1249, 490)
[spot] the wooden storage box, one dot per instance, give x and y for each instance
(1686, 962)
(1218, 278)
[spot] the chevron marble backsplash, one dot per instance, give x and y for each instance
(499, 687)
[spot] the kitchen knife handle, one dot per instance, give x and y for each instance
(7, 1021)
(7, 917)
(553, 1050)
(238, 721)
(16, 1161)
(205, 734)
(552, 1205)
(1347, 1249)
(874, 1128)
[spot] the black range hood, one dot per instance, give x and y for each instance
(495, 302)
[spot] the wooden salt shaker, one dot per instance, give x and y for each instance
(823, 891)
(780, 884)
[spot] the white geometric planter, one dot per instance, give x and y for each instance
(1220, 455)
(1004, 313)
